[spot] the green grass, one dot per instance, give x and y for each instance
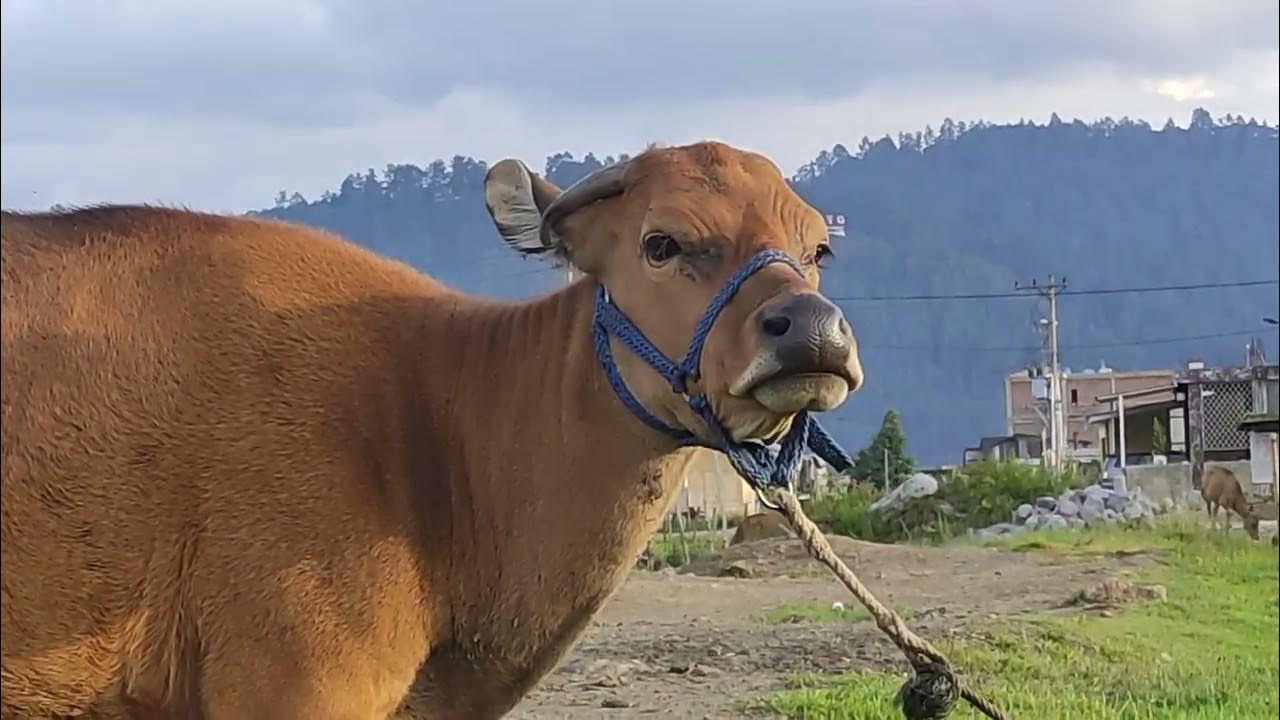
(671, 553)
(820, 613)
(1209, 652)
(813, 613)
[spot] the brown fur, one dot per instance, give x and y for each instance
(1220, 489)
(253, 471)
(761, 526)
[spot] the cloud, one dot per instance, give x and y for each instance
(1182, 90)
(221, 104)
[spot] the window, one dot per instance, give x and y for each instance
(1075, 396)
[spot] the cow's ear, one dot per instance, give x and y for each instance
(516, 199)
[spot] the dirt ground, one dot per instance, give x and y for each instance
(693, 645)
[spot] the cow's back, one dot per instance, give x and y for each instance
(1221, 486)
(180, 412)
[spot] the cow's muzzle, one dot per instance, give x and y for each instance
(807, 359)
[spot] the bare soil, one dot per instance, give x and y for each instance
(693, 644)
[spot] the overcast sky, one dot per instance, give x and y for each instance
(221, 103)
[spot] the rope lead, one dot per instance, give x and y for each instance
(934, 689)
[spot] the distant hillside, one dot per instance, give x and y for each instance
(968, 208)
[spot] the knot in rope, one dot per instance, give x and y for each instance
(934, 689)
(931, 693)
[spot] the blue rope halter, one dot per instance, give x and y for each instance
(761, 465)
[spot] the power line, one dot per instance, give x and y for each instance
(1095, 291)
(1162, 341)
(1171, 288)
(1086, 346)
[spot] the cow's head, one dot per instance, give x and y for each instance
(1251, 522)
(663, 232)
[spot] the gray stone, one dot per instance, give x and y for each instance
(1112, 515)
(917, 486)
(1167, 505)
(1135, 511)
(1034, 522)
(996, 531)
(1075, 523)
(1048, 504)
(1023, 512)
(1054, 522)
(1068, 508)
(1118, 501)
(1092, 509)
(1097, 491)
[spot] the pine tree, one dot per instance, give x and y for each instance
(869, 465)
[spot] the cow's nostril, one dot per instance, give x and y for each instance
(777, 325)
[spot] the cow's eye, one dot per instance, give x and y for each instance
(823, 255)
(660, 248)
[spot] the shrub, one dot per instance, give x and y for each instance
(977, 496)
(850, 514)
(988, 492)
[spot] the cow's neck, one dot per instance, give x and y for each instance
(561, 486)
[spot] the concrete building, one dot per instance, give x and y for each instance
(1027, 406)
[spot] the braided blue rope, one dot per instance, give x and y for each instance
(762, 466)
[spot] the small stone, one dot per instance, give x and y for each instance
(1117, 502)
(1134, 511)
(1117, 591)
(1076, 523)
(1167, 505)
(1054, 522)
(1097, 491)
(737, 569)
(1112, 515)
(1023, 512)
(1068, 508)
(1092, 510)
(616, 703)
(1046, 503)
(1033, 522)
(917, 486)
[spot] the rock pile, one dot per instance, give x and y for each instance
(1094, 505)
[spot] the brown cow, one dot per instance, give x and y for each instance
(1221, 489)
(251, 470)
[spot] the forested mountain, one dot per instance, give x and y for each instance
(967, 208)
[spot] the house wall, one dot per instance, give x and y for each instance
(1080, 393)
(1173, 481)
(1160, 482)
(712, 486)
(1262, 463)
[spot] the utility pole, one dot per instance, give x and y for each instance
(1057, 429)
